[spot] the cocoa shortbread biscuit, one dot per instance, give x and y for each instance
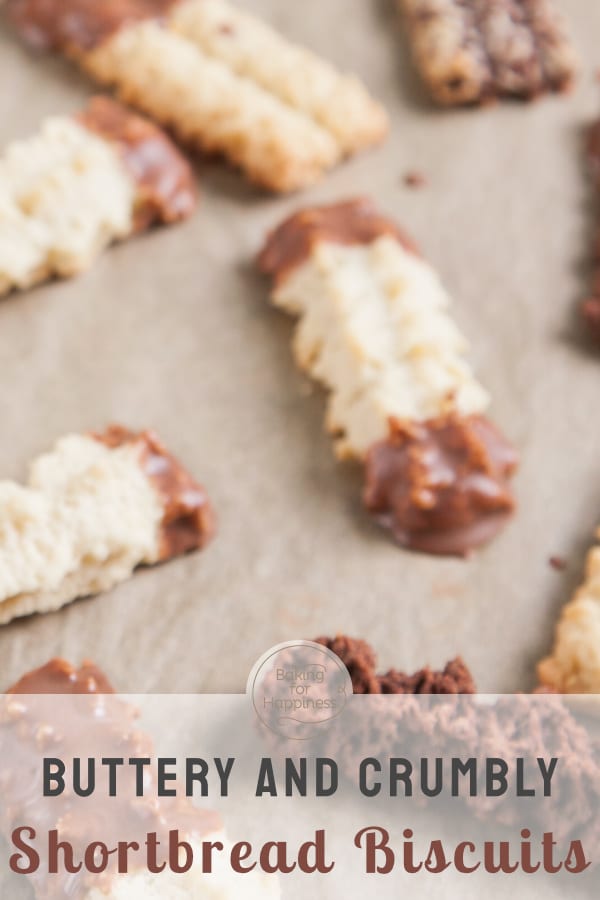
(221, 79)
(374, 328)
(360, 660)
(90, 718)
(573, 666)
(590, 308)
(81, 183)
(476, 51)
(94, 508)
(434, 714)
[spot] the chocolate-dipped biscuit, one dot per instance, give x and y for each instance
(95, 508)
(478, 51)
(82, 183)
(374, 328)
(66, 712)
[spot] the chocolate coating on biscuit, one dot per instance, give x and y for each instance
(166, 191)
(350, 222)
(188, 521)
(90, 721)
(78, 26)
(441, 486)
(60, 677)
(361, 662)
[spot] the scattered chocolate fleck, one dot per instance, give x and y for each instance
(414, 179)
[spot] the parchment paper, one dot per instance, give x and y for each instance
(173, 330)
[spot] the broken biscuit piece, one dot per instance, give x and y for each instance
(573, 667)
(474, 52)
(375, 329)
(82, 183)
(94, 508)
(221, 79)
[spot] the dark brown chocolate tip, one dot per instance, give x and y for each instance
(441, 486)
(360, 660)
(590, 308)
(60, 677)
(350, 222)
(105, 723)
(188, 522)
(77, 26)
(166, 190)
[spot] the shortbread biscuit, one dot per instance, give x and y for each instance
(375, 330)
(90, 719)
(473, 52)
(254, 50)
(223, 81)
(82, 183)
(574, 664)
(93, 509)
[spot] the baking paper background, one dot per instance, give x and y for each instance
(173, 330)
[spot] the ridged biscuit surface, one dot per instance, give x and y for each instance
(375, 329)
(254, 50)
(64, 196)
(207, 105)
(87, 517)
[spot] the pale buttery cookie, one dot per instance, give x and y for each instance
(374, 328)
(90, 719)
(80, 184)
(574, 664)
(591, 306)
(93, 509)
(476, 51)
(221, 79)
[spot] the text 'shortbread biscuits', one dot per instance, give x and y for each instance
(222, 80)
(82, 183)
(90, 719)
(374, 328)
(477, 51)
(93, 509)
(574, 664)
(591, 306)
